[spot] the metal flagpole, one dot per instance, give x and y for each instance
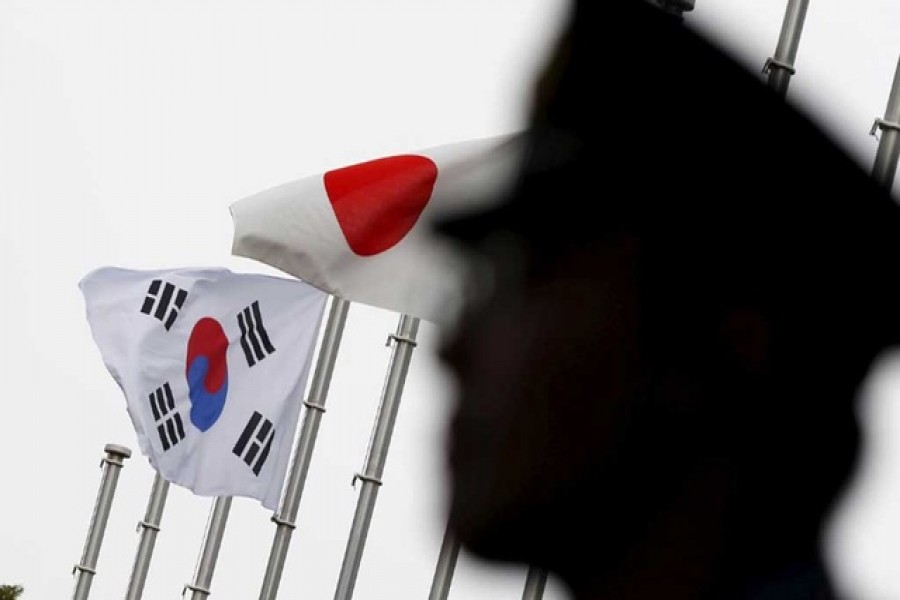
(315, 406)
(149, 527)
(534, 584)
(405, 342)
(446, 565)
(112, 463)
(780, 67)
(885, 167)
(215, 530)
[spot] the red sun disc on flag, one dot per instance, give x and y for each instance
(378, 202)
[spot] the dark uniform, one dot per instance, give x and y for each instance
(690, 282)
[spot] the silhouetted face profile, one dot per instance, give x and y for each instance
(530, 433)
(657, 372)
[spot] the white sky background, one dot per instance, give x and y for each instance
(126, 130)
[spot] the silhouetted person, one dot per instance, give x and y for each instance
(689, 283)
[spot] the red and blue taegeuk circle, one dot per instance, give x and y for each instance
(207, 372)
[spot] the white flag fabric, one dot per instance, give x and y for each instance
(362, 232)
(213, 365)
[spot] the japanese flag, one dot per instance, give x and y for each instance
(213, 366)
(362, 231)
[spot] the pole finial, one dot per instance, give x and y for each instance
(117, 451)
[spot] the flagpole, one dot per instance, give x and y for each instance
(446, 565)
(405, 342)
(215, 530)
(534, 584)
(780, 67)
(149, 528)
(885, 168)
(112, 464)
(315, 407)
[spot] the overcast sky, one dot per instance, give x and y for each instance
(126, 130)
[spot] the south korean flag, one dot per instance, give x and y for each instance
(213, 365)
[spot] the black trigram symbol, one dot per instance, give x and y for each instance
(259, 444)
(254, 339)
(166, 309)
(168, 426)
